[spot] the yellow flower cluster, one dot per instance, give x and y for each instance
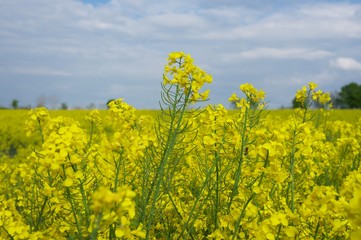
(184, 174)
(254, 98)
(182, 72)
(37, 118)
(351, 191)
(117, 209)
(307, 96)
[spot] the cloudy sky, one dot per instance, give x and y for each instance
(89, 51)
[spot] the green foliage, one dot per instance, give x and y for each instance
(64, 106)
(15, 104)
(349, 96)
(296, 104)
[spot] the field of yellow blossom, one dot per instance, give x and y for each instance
(182, 173)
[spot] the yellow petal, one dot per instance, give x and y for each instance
(68, 182)
(119, 232)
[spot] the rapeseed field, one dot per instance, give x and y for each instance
(183, 173)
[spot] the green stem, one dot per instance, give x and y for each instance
(94, 233)
(84, 198)
(86, 206)
(117, 171)
(292, 171)
(342, 157)
(70, 199)
(241, 216)
(36, 228)
(91, 134)
(316, 231)
(217, 203)
(240, 162)
(9, 235)
(279, 231)
(41, 132)
(173, 132)
(191, 221)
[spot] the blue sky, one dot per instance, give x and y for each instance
(83, 52)
(96, 2)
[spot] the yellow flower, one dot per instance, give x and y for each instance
(68, 182)
(312, 86)
(207, 140)
(119, 232)
(139, 232)
(233, 98)
(217, 234)
(270, 236)
(291, 231)
(301, 95)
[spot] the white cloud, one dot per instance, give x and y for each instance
(276, 53)
(308, 22)
(126, 42)
(176, 20)
(330, 11)
(346, 64)
(37, 71)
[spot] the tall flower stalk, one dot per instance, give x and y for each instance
(182, 82)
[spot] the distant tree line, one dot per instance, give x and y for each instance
(51, 102)
(63, 106)
(349, 97)
(15, 105)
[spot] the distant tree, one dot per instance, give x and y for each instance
(334, 96)
(15, 103)
(47, 101)
(41, 101)
(63, 106)
(349, 96)
(53, 101)
(102, 106)
(296, 104)
(91, 106)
